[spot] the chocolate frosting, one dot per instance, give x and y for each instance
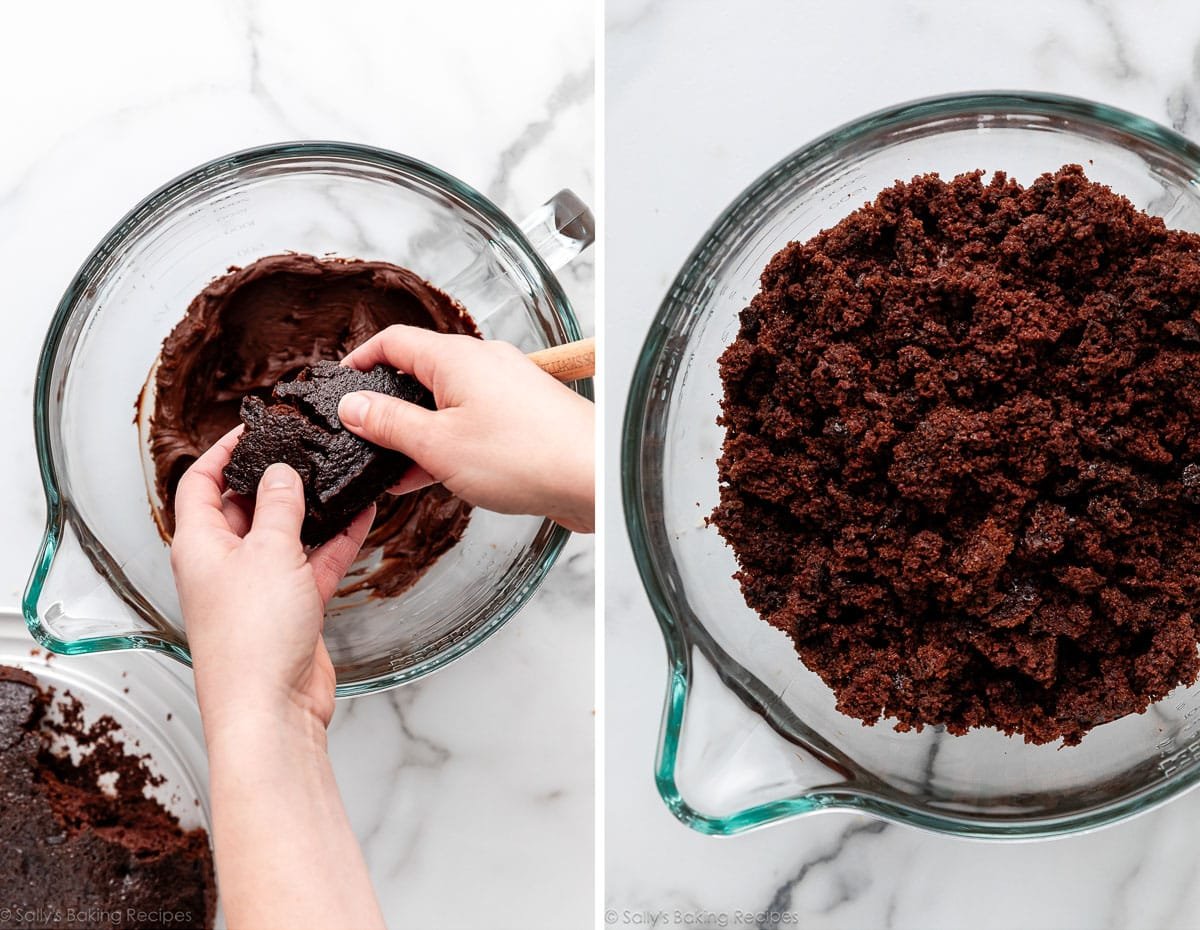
(258, 324)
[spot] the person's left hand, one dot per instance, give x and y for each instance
(253, 600)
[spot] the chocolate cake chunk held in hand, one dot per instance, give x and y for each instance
(342, 473)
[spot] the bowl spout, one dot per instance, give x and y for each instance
(726, 767)
(71, 605)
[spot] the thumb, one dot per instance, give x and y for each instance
(387, 421)
(279, 504)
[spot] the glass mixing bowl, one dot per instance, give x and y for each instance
(102, 579)
(749, 735)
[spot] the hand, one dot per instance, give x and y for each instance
(254, 604)
(506, 436)
(253, 601)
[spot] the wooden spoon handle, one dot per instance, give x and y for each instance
(571, 361)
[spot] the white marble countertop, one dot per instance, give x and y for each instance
(472, 790)
(701, 97)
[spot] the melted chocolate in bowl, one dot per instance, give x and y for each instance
(255, 325)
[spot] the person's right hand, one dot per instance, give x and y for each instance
(506, 436)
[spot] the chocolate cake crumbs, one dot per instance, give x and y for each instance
(85, 844)
(961, 466)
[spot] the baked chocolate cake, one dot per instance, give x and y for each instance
(77, 854)
(342, 473)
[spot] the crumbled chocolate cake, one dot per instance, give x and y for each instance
(962, 455)
(342, 473)
(78, 853)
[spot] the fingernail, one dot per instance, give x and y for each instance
(352, 409)
(278, 475)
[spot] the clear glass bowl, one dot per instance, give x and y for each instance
(749, 735)
(102, 579)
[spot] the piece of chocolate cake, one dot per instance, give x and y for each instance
(79, 854)
(342, 473)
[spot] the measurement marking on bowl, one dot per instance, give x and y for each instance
(399, 659)
(1180, 759)
(1174, 757)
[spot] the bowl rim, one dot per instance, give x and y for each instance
(662, 594)
(177, 188)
